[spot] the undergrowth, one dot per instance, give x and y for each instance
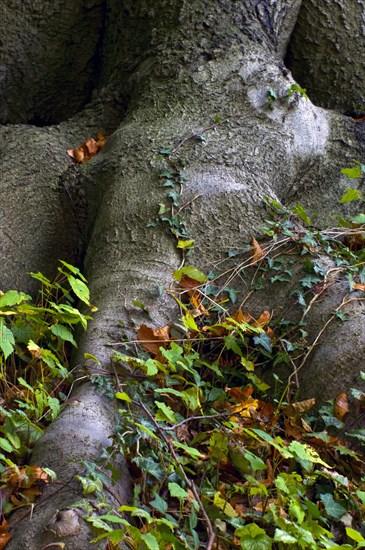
(36, 339)
(220, 458)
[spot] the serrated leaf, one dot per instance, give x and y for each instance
(12, 298)
(253, 537)
(62, 332)
(283, 536)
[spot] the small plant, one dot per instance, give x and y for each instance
(36, 338)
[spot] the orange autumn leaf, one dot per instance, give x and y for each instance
(263, 320)
(242, 316)
(359, 286)
(341, 406)
(152, 339)
(88, 149)
(239, 393)
(4, 533)
(256, 252)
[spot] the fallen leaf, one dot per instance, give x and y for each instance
(151, 339)
(358, 286)
(88, 149)
(256, 252)
(341, 406)
(263, 320)
(4, 533)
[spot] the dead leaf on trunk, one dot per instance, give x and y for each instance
(341, 406)
(151, 339)
(256, 252)
(88, 149)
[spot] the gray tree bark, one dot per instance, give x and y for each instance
(167, 70)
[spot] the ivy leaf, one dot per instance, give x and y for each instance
(350, 194)
(159, 504)
(264, 341)
(334, 509)
(352, 173)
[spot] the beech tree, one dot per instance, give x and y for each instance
(206, 81)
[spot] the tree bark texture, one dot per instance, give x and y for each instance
(168, 69)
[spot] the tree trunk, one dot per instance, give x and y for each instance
(167, 71)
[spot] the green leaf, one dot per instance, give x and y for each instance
(354, 535)
(353, 173)
(296, 511)
(185, 244)
(123, 396)
(299, 209)
(81, 291)
(7, 341)
(190, 450)
(350, 195)
(62, 332)
(159, 504)
(284, 537)
(90, 486)
(334, 509)
(360, 218)
(12, 298)
(165, 413)
(191, 272)
(177, 491)
(225, 506)
(306, 452)
(189, 322)
(73, 270)
(264, 341)
(150, 541)
(6, 445)
(253, 537)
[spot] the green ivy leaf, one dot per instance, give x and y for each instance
(334, 509)
(350, 195)
(191, 272)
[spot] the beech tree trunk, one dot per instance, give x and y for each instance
(161, 72)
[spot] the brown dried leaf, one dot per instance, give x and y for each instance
(256, 252)
(358, 286)
(152, 339)
(263, 320)
(4, 533)
(88, 149)
(341, 406)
